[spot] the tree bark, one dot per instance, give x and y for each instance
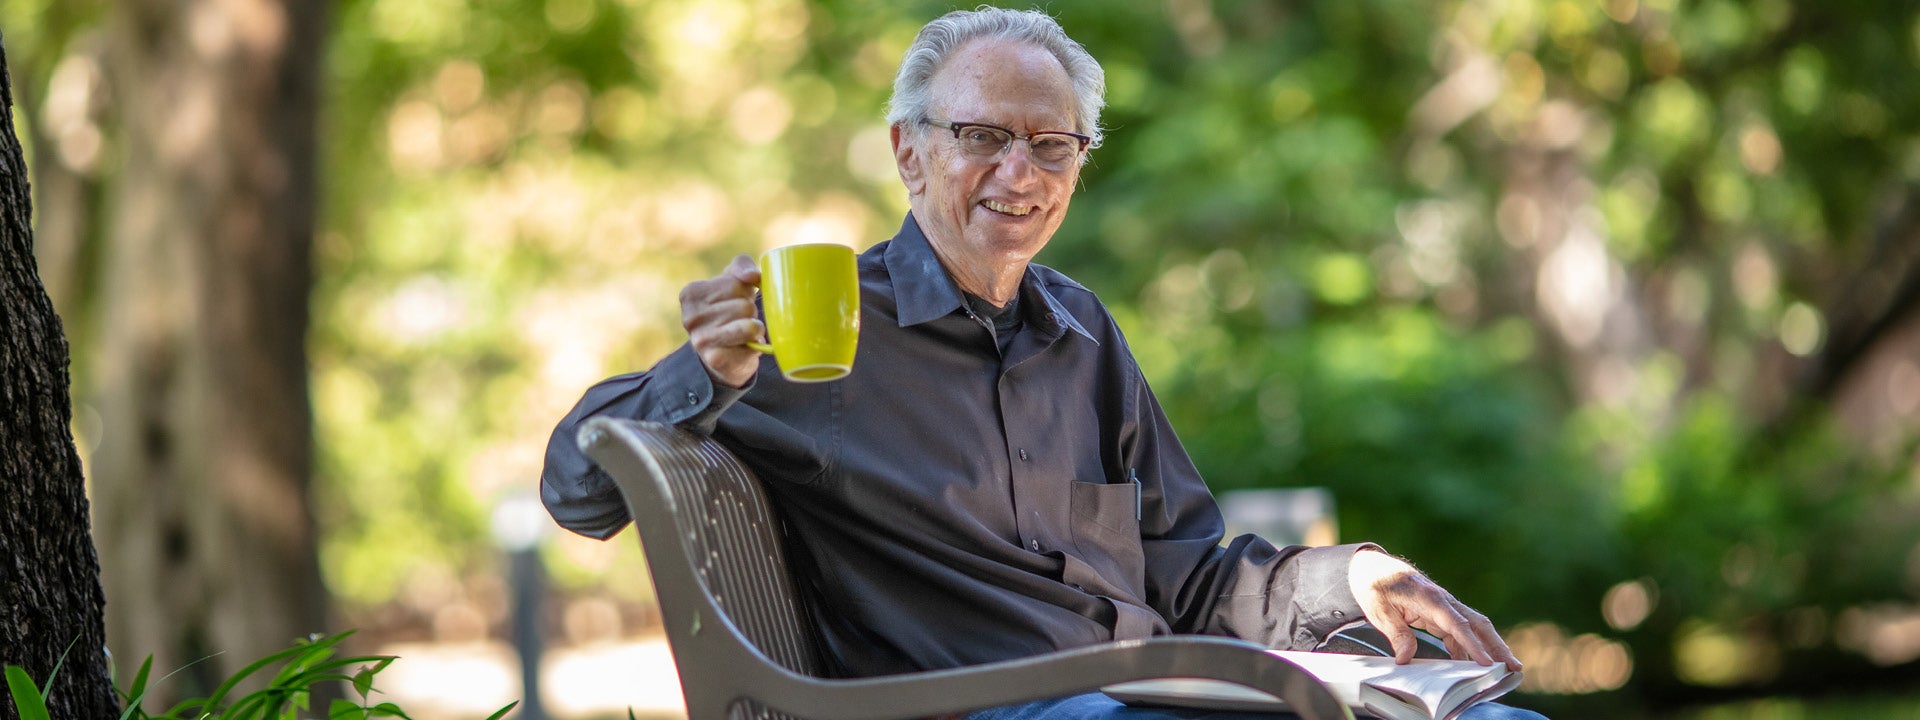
(204, 464)
(51, 605)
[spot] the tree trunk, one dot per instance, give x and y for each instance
(204, 463)
(51, 605)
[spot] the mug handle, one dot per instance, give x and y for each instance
(762, 347)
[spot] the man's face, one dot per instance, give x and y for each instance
(993, 212)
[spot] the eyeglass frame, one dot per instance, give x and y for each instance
(1086, 141)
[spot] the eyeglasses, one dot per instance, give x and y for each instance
(1053, 149)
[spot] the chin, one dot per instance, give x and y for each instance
(1022, 246)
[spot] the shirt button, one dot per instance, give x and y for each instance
(1035, 544)
(1023, 453)
(693, 398)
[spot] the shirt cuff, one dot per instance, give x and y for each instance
(1324, 601)
(688, 396)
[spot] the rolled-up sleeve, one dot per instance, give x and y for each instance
(1289, 597)
(677, 391)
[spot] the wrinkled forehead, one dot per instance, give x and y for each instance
(1014, 81)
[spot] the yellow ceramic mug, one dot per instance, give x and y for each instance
(811, 294)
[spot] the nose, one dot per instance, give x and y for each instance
(1016, 162)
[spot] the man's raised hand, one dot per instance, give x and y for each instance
(720, 319)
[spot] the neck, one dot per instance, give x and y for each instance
(993, 282)
(994, 278)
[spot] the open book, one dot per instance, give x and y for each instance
(1425, 689)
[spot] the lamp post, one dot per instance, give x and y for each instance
(519, 524)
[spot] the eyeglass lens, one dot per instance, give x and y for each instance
(1045, 148)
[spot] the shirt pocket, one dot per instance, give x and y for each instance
(1106, 529)
(1112, 506)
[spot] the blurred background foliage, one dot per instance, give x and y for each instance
(1604, 312)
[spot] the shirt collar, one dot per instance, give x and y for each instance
(923, 290)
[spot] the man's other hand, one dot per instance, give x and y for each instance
(720, 319)
(1397, 598)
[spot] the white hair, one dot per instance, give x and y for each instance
(912, 94)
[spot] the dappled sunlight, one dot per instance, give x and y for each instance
(468, 681)
(414, 133)
(73, 95)
(441, 681)
(759, 115)
(609, 678)
(418, 22)
(1903, 387)
(1465, 91)
(1887, 634)
(1756, 281)
(870, 156)
(1432, 231)
(459, 85)
(422, 309)
(576, 330)
(1707, 653)
(501, 469)
(1760, 149)
(1801, 329)
(1560, 665)
(1627, 604)
(561, 109)
(1577, 284)
(693, 213)
(838, 219)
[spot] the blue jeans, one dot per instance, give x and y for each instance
(1097, 706)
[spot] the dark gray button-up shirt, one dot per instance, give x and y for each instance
(949, 504)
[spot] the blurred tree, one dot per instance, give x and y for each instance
(202, 468)
(50, 583)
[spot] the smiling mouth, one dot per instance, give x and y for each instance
(1014, 210)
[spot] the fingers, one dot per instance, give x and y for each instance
(721, 319)
(1468, 634)
(739, 281)
(1452, 626)
(1397, 598)
(1497, 649)
(1401, 638)
(696, 318)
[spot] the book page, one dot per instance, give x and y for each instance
(1441, 688)
(1370, 685)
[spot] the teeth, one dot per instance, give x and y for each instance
(1008, 209)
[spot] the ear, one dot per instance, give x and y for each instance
(908, 158)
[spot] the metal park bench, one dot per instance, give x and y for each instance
(746, 647)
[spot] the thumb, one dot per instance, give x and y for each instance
(1401, 637)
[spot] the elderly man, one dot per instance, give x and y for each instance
(995, 479)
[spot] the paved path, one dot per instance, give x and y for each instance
(470, 681)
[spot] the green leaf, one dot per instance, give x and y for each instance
(387, 709)
(363, 682)
(346, 710)
(322, 647)
(56, 667)
(502, 712)
(26, 697)
(133, 701)
(139, 686)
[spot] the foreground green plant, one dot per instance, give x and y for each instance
(307, 664)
